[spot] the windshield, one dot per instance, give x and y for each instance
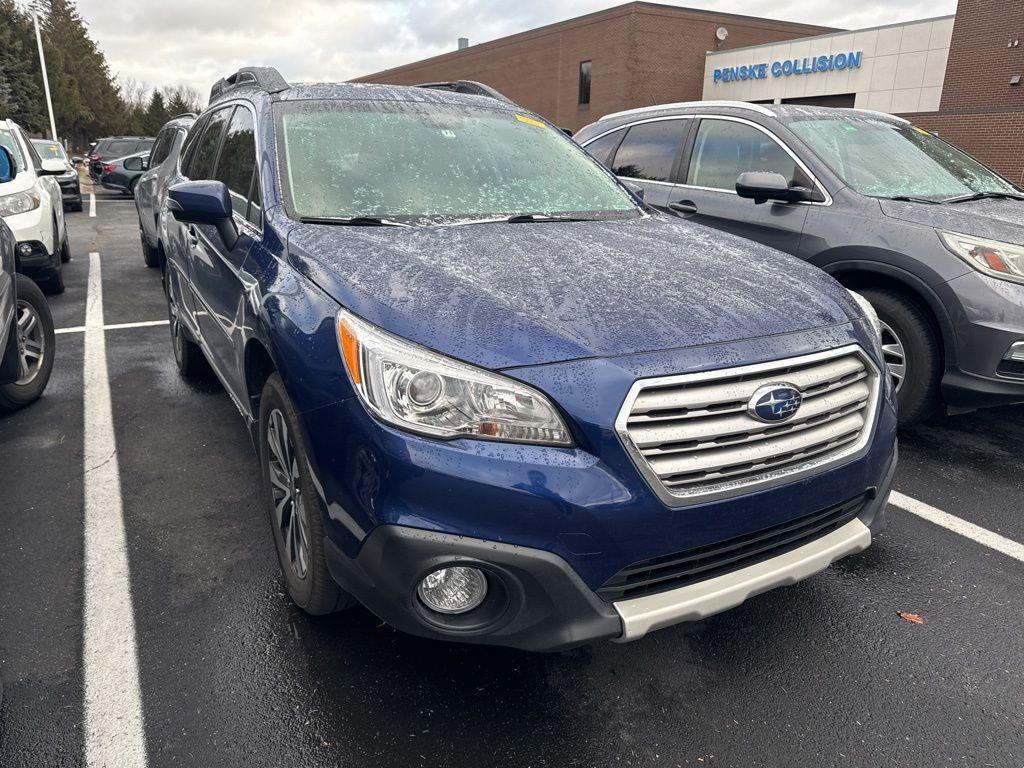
(49, 150)
(8, 140)
(880, 158)
(435, 163)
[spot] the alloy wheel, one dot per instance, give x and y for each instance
(290, 514)
(31, 343)
(895, 356)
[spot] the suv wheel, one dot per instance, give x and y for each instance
(296, 513)
(33, 330)
(65, 250)
(912, 352)
(150, 255)
(187, 354)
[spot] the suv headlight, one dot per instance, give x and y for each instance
(1002, 260)
(422, 391)
(873, 319)
(19, 202)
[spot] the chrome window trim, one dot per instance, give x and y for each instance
(803, 166)
(770, 478)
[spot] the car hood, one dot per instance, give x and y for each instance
(993, 219)
(503, 295)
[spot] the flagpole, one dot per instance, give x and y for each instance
(46, 79)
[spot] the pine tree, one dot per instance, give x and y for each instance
(21, 80)
(156, 114)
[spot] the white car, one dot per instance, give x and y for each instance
(31, 205)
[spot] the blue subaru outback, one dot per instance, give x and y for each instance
(495, 398)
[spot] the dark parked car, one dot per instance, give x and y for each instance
(70, 186)
(494, 399)
(930, 236)
(151, 187)
(114, 148)
(26, 326)
(123, 174)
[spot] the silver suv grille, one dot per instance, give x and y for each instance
(693, 437)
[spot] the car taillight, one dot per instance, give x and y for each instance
(108, 168)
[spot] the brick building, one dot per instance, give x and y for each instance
(638, 54)
(961, 76)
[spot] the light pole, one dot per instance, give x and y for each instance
(46, 79)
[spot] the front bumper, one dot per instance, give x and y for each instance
(991, 321)
(539, 603)
(578, 515)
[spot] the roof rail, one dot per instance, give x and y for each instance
(183, 114)
(875, 112)
(695, 104)
(468, 86)
(266, 79)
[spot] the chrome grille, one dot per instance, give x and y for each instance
(692, 436)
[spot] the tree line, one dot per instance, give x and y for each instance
(88, 102)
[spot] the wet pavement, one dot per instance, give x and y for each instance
(232, 674)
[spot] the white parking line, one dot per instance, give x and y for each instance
(950, 522)
(92, 204)
(113, 709)
(114, 326)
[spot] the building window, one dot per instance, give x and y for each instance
(584, 83)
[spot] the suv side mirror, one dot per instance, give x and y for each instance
(77, 160)
(762, 186)
(136, 164)
(204, 202)
(52, 167)
(8, 168)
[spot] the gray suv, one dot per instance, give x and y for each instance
(930, 236)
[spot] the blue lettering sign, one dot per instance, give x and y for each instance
(787, 67)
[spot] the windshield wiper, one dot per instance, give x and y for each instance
(524, 218)
(985, 196)
(353, 221)
(915, 199)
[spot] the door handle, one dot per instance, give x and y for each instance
(683, 206)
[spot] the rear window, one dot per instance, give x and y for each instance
(649, 150)
(111, 150)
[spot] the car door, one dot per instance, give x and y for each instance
(146, 188)
(647, 155)
(216, 268)
(721, 149)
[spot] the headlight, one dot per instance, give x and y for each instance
(413, 388)
(872, 315)
(1002, 260)
(19, 202)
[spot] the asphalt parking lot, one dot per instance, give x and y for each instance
(230, 673)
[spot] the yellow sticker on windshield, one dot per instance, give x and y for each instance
(530, 121)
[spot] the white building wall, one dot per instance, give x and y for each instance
(902, 68)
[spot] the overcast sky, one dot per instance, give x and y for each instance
(193, 42)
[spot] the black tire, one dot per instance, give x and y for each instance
(17, 395)
(76, 206)
(65, 250)
(54, 284)
(149, 255)
(313, 590)
(131, 186)
(188, 355)
(920, 395)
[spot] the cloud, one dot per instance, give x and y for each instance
(194, 42)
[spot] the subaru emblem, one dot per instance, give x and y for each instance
(775, 403)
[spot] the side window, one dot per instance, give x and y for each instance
(237, 161)
(724, 149)
(30, 150)
(649, 150)
(201, 166)
(161, 148)
(188, 149)
(602, 149)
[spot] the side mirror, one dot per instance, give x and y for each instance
(77, 160)
(636, 189)
(136, 164)
(761, 186)
(52, 167)
(204, 202)
(8, 168)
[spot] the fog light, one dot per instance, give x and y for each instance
(455, 589)
(24, 249)
(1015, 353)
